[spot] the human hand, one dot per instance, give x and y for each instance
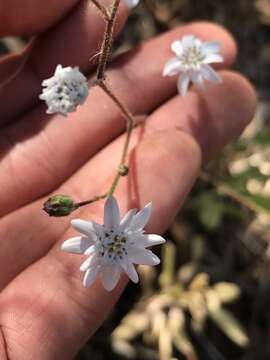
(45, 313)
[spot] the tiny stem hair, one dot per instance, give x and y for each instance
(100, 81)
(106, 46)
(105, 53)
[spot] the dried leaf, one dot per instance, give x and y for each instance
(227, 292)
(165, 344)
(200, 282)
(230, 326)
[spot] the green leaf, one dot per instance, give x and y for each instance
(210, 215)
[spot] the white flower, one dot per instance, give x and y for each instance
(192, 62)
(115, 246)
(132, 3)
(65, 90)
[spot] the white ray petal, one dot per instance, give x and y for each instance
(188, 41)
(213, 58)
(182, 84)
(172, 67)
(141, 218)
(91, 250)
(211, 47)
(90, 262)
(132, 3)
(198, 44)
(85, 227)
(130, 270)
(90, 277)
(197, 79)
(111, 213)
(142, 256)
(210, 74)
(177, 47)
(147, 240)
(76, 245)
(127, 219)
(110, 276)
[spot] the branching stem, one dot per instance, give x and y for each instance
(105, 52)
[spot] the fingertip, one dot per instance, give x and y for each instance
(241, 96)
(246, 95)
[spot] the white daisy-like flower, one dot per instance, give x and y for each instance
(65, 90)
(192, 62)
(115, 246)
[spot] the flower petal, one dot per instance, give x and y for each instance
(142, 256)
(85, 227)
(76, 245)
(127, 219)
(90, 250)
(111, 213)
(210, 74)
(130, 270)
(211, 47)
(132, 3)
(172, 67)
(213, 58)
(177, 47)
(110, 276)
(141, 218)
(90, 277)
(91, 261)
(183, 83)
(147, 240)
(197, 79)
(188, 41)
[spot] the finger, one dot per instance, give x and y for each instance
(83, 27)
(27, 17)
(214, 116)
(185, 114)
(98, 120)
(73, 313)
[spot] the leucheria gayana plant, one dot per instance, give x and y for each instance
(115, 246)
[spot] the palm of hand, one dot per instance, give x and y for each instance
(45, 312)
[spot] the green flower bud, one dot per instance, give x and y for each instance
(59, 205)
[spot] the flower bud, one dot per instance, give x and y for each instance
(123, 170)
(59, 205)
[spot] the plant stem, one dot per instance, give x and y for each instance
(26, 56)
(122, 170)
(130, 125)
(94, 199)
(110, 18)
(103, 11)
(107, 41)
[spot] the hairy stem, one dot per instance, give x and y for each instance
(100, 81)
(107, 41)
(122, 170)
(103, 11)
(130, 125)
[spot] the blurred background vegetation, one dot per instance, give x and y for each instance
(210, 298)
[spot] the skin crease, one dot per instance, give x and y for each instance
(45, 312)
